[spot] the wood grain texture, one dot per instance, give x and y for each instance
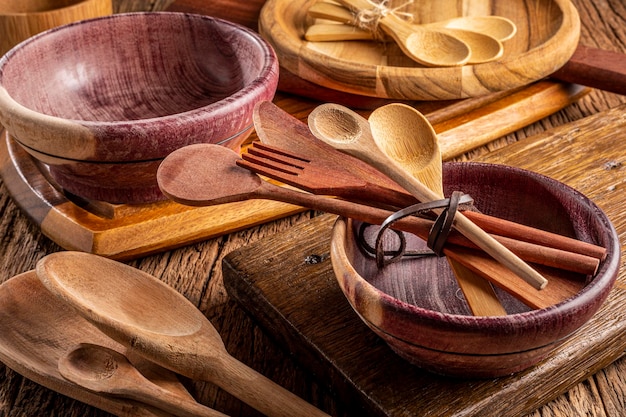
(26, 304)
(195, 270)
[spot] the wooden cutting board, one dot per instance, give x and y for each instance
(126, 231)
(286, 283)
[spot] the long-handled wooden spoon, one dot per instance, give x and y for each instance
(106, 371)
(479, 294)
(206, 174)
(152, 319)
(350, 133)
(427, 47)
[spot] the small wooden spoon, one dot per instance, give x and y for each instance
(425, 46)
(479, 294)
(152, 319)
(496, 27)
(483, 47)
(349, 132)
(106, 371)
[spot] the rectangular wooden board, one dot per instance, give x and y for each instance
(286, 283)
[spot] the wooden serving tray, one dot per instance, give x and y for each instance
(124, 231)
(547, 36)
(286, 283)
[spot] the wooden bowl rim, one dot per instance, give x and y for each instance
(84, 132)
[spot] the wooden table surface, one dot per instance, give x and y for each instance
(195, 270)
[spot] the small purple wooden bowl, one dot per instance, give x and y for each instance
(418, 309)
(126, 90)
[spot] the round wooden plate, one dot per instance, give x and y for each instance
(547, 36)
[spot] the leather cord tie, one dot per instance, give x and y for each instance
(436, 238)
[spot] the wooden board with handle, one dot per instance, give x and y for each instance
(129, 231)
(286, 283)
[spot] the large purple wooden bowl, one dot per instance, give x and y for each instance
(423, 316)
(130, 89)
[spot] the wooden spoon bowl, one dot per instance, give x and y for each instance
(416, 305)
(547, 36)
(38, 329)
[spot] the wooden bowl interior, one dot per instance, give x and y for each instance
(127, 68)
(429, 283)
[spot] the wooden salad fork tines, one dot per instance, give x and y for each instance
(324, 176)
(319, 176)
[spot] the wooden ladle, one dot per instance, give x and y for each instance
(106, 371)
(427, 47)
(479, 293)
(153, 320)
(349, 132)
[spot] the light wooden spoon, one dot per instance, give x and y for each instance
(425, 46)
(106, 371)
(349, 132)
(479, 294)
(483, 47)
(496, 27)
(153, 320)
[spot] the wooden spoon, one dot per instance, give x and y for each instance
(155, 321)
(350, 133)
(38, 329)
(106, 371)
(483, 47)
(425, 46)
(497, 27)
(479, 293)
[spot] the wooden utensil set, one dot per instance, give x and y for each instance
(454, 42)
(322, 170)
(207, 175)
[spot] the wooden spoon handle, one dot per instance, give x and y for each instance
(262, 393)
(321, 32)
(166, 400)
